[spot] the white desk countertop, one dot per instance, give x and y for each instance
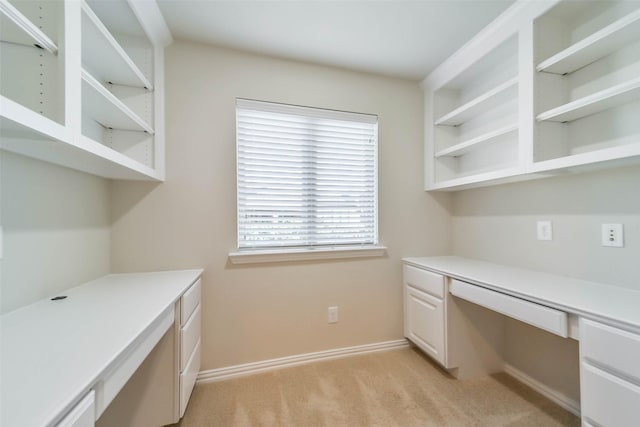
(614, 305)
(52, 352)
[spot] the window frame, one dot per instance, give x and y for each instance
(308, 252)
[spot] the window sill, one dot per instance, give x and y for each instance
(287, 255)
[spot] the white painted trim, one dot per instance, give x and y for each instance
(283, 255)
(557, 397)
(220, 374)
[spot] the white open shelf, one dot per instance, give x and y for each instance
(598, 45)
(106, 109)
(17, 28)
(622, 155)
(476, 180)
(31, 134)
(612, 97)
(103, 55)
(490, 99)
(465, 146)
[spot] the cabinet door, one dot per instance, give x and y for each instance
(82, 415)
(424, 317)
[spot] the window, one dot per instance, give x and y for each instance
(307, 177)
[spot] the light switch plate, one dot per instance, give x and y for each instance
(544, 230)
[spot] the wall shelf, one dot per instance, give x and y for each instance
(612, 97)
(17, 28)
(465, 146)
(106, 109)
(490, 99)
(105, 57)
(599, 44)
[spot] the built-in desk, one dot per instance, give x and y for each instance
(466, 340)
(80, 351)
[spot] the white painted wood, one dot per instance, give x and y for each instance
(424, 315)
(235, 371)
(475, 143)
(82, 415)
(611, 305)
(512, 174)
(188, 378)
(190, 301)
(610, 348)
(492, 98)
(19, 121)
(103, 55)
(546, 318)
(17, 28)
(612, 97)
(607, 400)
(189, 336)
(597, 45)
(106, 109)
(151, 19)
(424, 280)
(623, 155)
(112, 381)
(71, 356)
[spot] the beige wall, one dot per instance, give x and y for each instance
(259, 312)
(56, 229)
(498, 224)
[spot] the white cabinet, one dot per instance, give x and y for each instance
(82, 85)
(190, 323)
(609, 375)
(424, 319)
(82, 415)
(548, 87)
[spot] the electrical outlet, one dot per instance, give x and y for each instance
(332, 314)
(612, 235)
(544, 230)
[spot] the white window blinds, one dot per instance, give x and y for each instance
(306, 177)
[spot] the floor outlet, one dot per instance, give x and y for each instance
(612, 235)
(332, 314)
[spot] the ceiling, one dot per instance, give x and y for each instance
(399, 38)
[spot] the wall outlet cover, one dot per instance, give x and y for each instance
(613, 235)
(544, 230)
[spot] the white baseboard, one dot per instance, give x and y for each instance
(560, 398)
(229, 372)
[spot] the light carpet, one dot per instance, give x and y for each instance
(391, 388)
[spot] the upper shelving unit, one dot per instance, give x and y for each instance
(495, 118)
(17, 28)
(609, 39)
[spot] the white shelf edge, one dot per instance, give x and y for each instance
(144, 82)
(25, 117)
(464, 146)
(449, 118)
(29, 28)
(117, 104)
(479, 178)
(622, 153)
(117, 158)
(587, 45)
(559, 114)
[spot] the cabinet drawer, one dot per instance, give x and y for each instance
(608, 400)
(189, 301)
(188, 378)
(543, 317)
(425, 322)
(611, 347)
(424, 280)
(189, 337)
